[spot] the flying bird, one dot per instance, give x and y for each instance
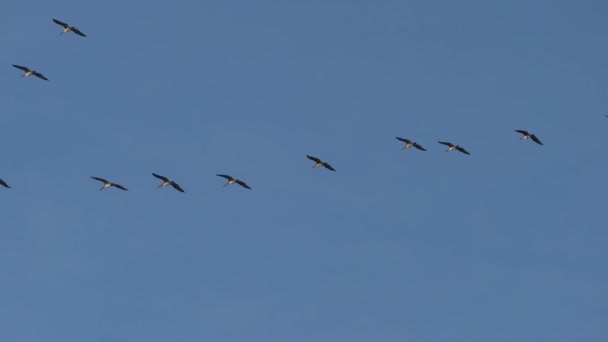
(107, 184)
(167, 181)
(29, 72)
(68, 28)
(3, 183)
(452, 147)
(409, 143)
(527, 135)
(319, 162)
(234, 180)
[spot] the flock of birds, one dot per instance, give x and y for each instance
(231, 180)
(452, 147)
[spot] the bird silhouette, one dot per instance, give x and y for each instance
(107, 184)
(452, 147)
(167, 181)
(29, 72)
(68, 28)
(409, 143)
(319, 162)
(232, 180)
(527, 135)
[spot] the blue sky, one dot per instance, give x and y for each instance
(507, 244)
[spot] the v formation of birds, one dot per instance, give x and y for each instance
(231, 180)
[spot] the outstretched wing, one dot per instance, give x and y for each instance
(177, 187)
(327, 166)
(39, 75)
(3, 183)
(404, 140)
(419, 147)
(462, 150)
(535, 139)
(61, 23)
(446, 143)
(225, 176)
(100, 179)
(522, 131)
(21, 67)
(315, 159)
(241, 183)
(165, 179)
(119, 186)
(77, 31)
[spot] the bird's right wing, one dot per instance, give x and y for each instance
(243, 184)
(328, 167)
(77, 31)
(403, 139)
(37, 74)
(462, 150)
(177, 187)
(225, 176)
(535, 139)
(120, 187)
(419, 147)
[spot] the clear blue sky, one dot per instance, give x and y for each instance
(508, 244)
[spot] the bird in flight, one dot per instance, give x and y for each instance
(527, 135)
(68, 28)
(232, 180)
(107, 184)
(167, 181)
(409, 143)
(28, 72)
(319, 162)
(452, 147)
(3, 183)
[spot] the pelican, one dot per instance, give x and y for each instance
(319, 162)
(68, 28)
(107, 184)
(233, 180)
(409, 143)
(28, 72)
(526, 135)
(3, 183)
(167, 181)
(452, 147)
